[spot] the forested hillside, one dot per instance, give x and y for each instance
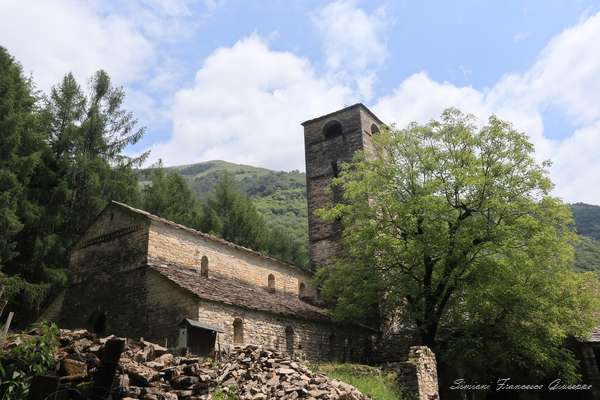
(587, 220)
(279, 196)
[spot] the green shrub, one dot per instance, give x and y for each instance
(220, 394)
(28, 355)
(369, 380)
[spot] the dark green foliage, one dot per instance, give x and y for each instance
(461, 234)
(33, 356)
(279, 197)
(61, 162)
(587, 219)
(169, 196)
(20, 147)
(230, 214)
(587, 255)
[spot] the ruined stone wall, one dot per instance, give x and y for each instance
(311, 340)
(324, 155)
(186, 248)
(418, 375)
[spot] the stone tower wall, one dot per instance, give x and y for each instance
(324, 155)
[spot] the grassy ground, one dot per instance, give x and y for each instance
(370, 381)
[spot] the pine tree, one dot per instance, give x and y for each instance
(232, 216)
(169, 196)
(22, 144)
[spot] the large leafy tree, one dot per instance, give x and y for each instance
(454, 225)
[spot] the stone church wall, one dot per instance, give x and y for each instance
(307, 339)
(183, 247)
(107, 266)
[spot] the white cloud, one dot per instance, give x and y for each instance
(352, 42)
(246, 106)
(566, 76)
(53, 38)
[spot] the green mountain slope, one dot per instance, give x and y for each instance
(279, 196)
(587, 221)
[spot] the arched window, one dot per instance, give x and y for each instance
(204, 266)
(271, 283)
(238, 331)
(289, 339)
(332, 128)
(302, 290)
(374, 129)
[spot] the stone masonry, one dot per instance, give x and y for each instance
(330, 140)
(137, 275)
(418, 375)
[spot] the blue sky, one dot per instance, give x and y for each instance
(226, 79)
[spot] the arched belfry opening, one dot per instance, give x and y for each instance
(374, 129)
(333, 128)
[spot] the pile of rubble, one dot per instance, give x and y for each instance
(148, 371)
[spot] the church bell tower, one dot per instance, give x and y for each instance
(330, 140)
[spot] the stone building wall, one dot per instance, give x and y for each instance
(107, 266)
(186, 248)
(166, 306)
(117, 241)
(311, 340)
(324, 154)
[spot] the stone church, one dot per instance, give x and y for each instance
(138, 275)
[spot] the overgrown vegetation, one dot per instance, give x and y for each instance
(34, 355)
(61, 161)
(454, 225)
(225, 394)
(370, 381)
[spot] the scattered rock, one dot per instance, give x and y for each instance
(147, 371)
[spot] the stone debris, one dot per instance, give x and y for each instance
(148, 371)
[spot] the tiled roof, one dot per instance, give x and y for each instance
(231, 291)
(204, 235)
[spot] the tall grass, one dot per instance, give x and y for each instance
(369, 380)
